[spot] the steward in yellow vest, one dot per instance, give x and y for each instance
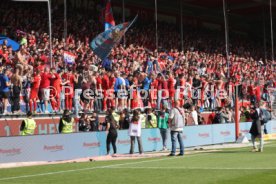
(28, 125)
(66, 123)
(151, 119)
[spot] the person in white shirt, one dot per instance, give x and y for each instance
(194, 115)
(176, 123)
(135, 131)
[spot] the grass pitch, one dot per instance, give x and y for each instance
(237, 165)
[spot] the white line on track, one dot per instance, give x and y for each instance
(193, 168)
(99, 167)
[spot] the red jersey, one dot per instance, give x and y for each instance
(111, 82)
(182, 82)
(258, 92)
(41, 67)
(69, 77)
(250, 90)
(160, 83)
(105, 82)
(45, 80)
(165, 88)
(36, 82)
(56, 83)
(99, 82)
(171, 83)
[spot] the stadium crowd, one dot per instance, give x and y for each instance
(200, 69)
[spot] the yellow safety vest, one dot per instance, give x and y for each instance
(153, 121)
(67, 126)
(143, 120)
(29, 128)
(116, 117)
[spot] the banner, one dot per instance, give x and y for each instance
(104, 42)
(80, 145)
(69, 58)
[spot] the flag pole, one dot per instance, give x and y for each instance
(50, 32)
(271, 28)
(65, 19)
(156, 27)
(124, 19)
(226, 37)
(264, 34)
(181, 26)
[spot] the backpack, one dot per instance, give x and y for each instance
(265, 116)
(216, 119)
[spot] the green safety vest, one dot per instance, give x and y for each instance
(29, 128)
(67, 126)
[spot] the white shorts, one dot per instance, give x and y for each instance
(45, 93)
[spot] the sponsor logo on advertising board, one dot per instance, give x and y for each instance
(10, 152)
(244, 131)
(273, 128)
(91, 144)
(225, 133)
(204, 135)
(184, 136)
(124, 141)
(154, 139)
(53, 148)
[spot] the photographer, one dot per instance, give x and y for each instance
(94, 122)
(84, 123)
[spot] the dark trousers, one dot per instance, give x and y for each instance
(15, 98)
(132, 141)
(111, 138)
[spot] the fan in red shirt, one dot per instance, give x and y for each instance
(55, 91)
(45, 87)
(112, 80)
(69, 88)
(41, 66)
(171, 83)
(34, 91)
(134, 96)
(153, 92)
(257, 91)
(165, 93)
(182, 88)
(105, 87)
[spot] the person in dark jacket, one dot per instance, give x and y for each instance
(124, 120)
(256, 129)
(111, 129)
(94, 122)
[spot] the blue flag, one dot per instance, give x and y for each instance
(104, 42)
